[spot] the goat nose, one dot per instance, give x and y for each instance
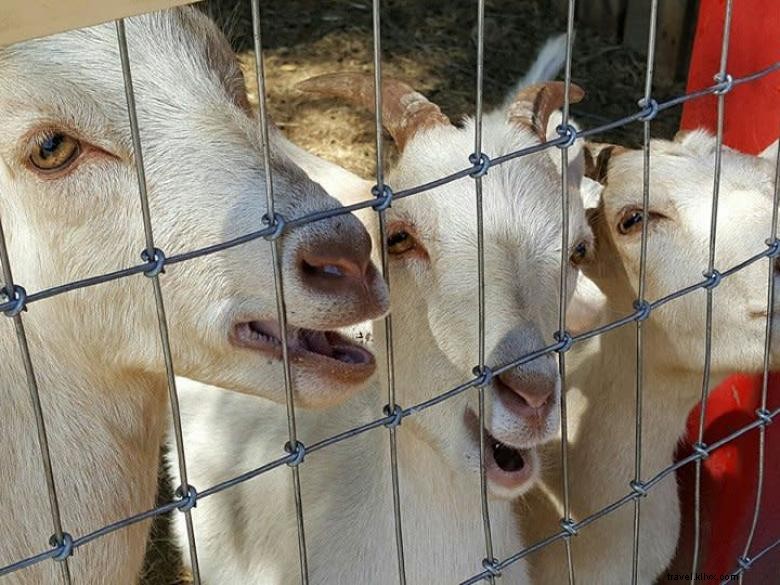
(333, 265)
(535, 389)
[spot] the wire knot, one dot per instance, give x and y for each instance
(725, 83)
(713, 279)
(189, 501)
(569, 132)
(764, 416)
(156, 262)
(649, 109)
(299, 451)
(565, 341)
(384, 197)
(701, 450)
(18, 300)
(744, 562)
(277, 223)
(774, 247)
(481, 164)
(492, 566)
(638, 487)
(397, 414)
(64, 548)
(569, 527)
(484, 375)
(643, 310)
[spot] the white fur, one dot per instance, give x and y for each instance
(247, 533)
(602, 378)
(96, 351)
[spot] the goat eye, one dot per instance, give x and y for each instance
(579, 253)
(399, 242)
(630, 221)
(55, 152)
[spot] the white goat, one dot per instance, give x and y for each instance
(601, 453)
(247, 534)
(70, 209)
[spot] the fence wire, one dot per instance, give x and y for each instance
(489, 562)
(63, 543)
(770, 300)
(380, 191)
(274, 220)
(646, 101)
(711, 272)
(151, 253)
(565, 129)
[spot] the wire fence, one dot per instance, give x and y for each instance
(64, 543)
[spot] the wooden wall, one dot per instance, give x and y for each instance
(628, 21)
(27, 19)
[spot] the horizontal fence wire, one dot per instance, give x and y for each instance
(764, 419)
(19, 299)
(639, 115)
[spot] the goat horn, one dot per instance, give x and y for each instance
(533, 105)
(597, 157)
(405, 112)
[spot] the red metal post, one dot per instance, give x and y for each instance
(752, 122)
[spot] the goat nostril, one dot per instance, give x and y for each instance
(332, 270)
(529, 392)
(325, 270)
(329, 270)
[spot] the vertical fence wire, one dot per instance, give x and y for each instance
(646, 102)
(281, 309)
(13, 292)
(151, 253)
(770, 303)
(63, 541)
(380, 189)
(566, 521)
(722, 77)
(478, 157)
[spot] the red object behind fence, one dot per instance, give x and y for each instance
(729, 476)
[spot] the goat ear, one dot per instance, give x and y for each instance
(586, 306)
(533, 105)
(576, 169)
(770, 152)
(681, 135)
(405, 112)
(698, 142)
(591, 192)
(597, 158)
(596, 217)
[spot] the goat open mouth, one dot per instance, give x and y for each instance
(506, 466)
(327, 352)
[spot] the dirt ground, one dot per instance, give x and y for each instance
(430, 45)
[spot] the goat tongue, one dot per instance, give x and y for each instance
(507, 458)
